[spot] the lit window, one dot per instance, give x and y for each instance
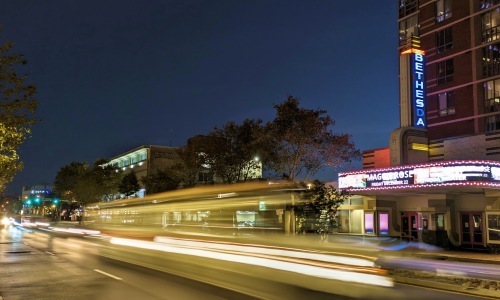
(443, 10)
(491, 60)
(490, 23)
(492, 95)
(407, 29)
(446, 102)
(488, 3)
(407, 7)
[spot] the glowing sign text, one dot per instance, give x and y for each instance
(422, 175)
(418, 98)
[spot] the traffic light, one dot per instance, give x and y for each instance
(55, 201)
(28, 202)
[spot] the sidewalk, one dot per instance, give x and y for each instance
(419, 249)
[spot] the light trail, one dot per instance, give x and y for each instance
(364, 261)
(313, 270)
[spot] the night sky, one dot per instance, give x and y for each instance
(115, 75)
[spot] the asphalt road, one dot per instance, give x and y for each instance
(38, 264)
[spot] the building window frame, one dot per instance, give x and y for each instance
(492, 123)
(492, 95)
(444, 39)
(407, 7)
(491, 60)
(407, 28)
(444, 71)
(490, 26)
(446, 103)
(443, 10)
(485, 4)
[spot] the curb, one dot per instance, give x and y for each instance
(447, 287)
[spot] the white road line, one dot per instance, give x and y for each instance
(107, 274)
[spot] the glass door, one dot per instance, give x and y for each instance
(471, 228)
(409, 226)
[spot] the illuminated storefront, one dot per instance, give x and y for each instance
(444, 203)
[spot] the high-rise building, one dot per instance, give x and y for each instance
(438, 181)
(461, 42)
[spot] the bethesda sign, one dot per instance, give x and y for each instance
(418, 89)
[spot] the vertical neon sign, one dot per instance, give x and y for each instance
(418, 90)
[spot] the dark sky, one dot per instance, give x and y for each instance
(114, 75)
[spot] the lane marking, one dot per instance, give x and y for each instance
(107, 274)
(49, 253)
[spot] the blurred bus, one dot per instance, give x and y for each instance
(232, 209)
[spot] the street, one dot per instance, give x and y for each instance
(42, 264)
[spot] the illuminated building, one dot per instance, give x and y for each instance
(145, 161)
(38, 201)
(462, 51)
(438, 180)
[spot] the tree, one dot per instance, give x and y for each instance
(106, 178)
(129, 185)
(68, 181)
(17, 104)
(192, 163)
(80, 183)
(159, 182)
(303, 141)
(318, 207)
(231, 151)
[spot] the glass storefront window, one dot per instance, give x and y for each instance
(356, 201)
(494, 227)
(350, 221)
(356, 221)
(343, 216)
(439, 221)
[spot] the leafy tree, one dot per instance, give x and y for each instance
(192, 162)
(80, 183)
(231, 151)
(106, 178)
(160, 181)
(303, 141)
(318, 207)
(129, 185)
(17, 104)
(68, 181)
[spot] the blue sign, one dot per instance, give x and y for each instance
(418, 90)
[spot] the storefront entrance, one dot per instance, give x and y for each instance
(409, 226)
(471, 228)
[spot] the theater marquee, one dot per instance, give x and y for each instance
(450, 173)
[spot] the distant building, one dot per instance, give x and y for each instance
(41, 191)
(38, 200)
(145, 161)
